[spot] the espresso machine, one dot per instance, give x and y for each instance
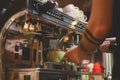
(28, 36)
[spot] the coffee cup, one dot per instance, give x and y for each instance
(69, 8)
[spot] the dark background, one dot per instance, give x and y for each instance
(9, 8)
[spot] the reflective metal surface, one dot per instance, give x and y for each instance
(27, 38)
(3, 35)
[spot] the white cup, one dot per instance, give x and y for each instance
(60, 9)
(69, 8)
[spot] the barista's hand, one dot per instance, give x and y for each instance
(104, 47)
(76, 54)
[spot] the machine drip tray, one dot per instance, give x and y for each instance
(58, 66)
(45, 74)
(35, 74)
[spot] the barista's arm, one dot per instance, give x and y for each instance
(97, 29)
(98, 26)
(101, 18)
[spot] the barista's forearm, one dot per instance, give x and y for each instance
(101, 18)
(98, 26)
(99, 31)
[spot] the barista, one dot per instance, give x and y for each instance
(98, 27)
(104, 18)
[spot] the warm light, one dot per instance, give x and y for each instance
(31, 28)
(74, 23)
(66, 38)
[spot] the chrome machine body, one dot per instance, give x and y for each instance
(26, 39)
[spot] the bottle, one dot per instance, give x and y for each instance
(97, 68)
